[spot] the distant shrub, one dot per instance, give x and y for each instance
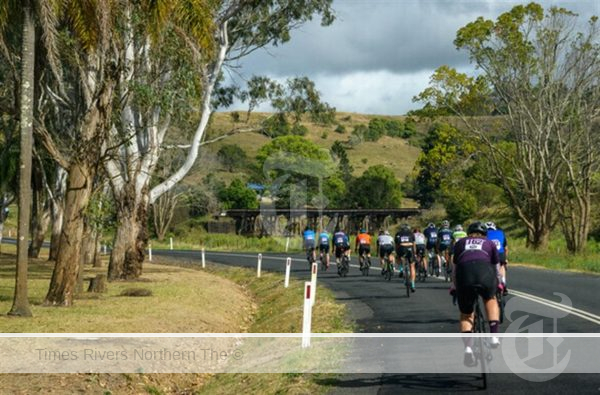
(341, 129)
(324, 135)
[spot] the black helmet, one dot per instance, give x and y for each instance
(405, 227)
(477, 227)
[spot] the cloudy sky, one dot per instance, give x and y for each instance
(378, 54)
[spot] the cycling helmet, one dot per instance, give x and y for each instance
(431, 225)
(387, 233)
(405, 227)
(445, 224)
(458, 228)
(477, 227)
(380, 232)
(490, 225)
(363, 230)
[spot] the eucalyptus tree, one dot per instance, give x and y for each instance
(235, 28)
(544, 79)
(75, 113)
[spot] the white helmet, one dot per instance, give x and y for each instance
(387, 233)
(490, 225)
(445, 224)
(458, 228)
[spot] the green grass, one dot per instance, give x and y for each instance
(556, 256)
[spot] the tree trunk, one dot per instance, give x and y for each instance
(57, 211)
(20, 305)
(131, 238)
(64, 277)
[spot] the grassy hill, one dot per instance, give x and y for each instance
(396, 153)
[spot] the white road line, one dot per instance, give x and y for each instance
(574, 311)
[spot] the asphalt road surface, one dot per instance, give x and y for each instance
(378, 306)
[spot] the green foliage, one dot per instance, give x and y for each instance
(341, 129)
(460, 205)
(293, 167)
(238, 196)
(344, 167)
(232, 156)
(377, 187)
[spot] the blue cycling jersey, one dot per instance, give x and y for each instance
(498, 237)
(324, 238)
(309, 235)
(341, 239)
(445, 236)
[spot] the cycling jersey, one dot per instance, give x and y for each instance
(323, 238)
(363, 239)
(309, 238)
(456, 236)
(340, 239)
(445, 237)
(404, 238)
(420, 239)
(499, 239)
(383, 240)
(431, 235)
(475, 249)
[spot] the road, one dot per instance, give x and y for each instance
(381, 307)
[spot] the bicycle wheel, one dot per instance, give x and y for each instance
(345, 266)
(389, 270)
(446, 269)
(501, 303)
(367, 266)
(482, 348)
(407, 279)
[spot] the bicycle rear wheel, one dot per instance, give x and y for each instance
(407, 279)
(482, 350)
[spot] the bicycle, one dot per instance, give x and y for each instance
(420, 268)
(501, 299)
(446, 268)
(344, 267)
(323, 261)
(310, 257)
(388, 268)
(365, 263)
(433, 264)
(406, 265)
(481, 347)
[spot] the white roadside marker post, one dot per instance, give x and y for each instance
(203, 259)
(258, 265)
(149, 252)
(287, 244)
(306, 322)
(105, 248)
(288, 266)
(313, 283)
(171, 242)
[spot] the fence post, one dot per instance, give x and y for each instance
(306, 322)
(171, 242)
(203, 259)
(258, 265)
(288, 266)
(149, 252)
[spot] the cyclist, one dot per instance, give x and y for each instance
(385, 247)
(363, 245)
(445, 242)
(341, 246)
(405, 248)
(497, 235)
(324, 247)
(420, 241)
(309, 242)
(458, 234)
(477, 264)
(431, 246)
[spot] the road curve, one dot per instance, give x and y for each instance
(379, 306)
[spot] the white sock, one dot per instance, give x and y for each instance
(468, 350)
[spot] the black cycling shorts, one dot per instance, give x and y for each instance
(364, 248)
(386, 249)
(405, 252)
(421, 250)
(339, 250)
(309, 244)
(502, 258)
(432, 247)
(443, 247)
(324, 248)
(472, 279)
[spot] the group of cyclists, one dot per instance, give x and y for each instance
(476, 257)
